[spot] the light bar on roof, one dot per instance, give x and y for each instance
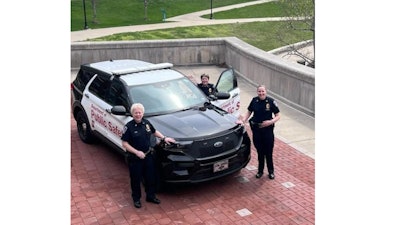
(157, 66)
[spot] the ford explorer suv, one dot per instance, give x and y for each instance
(209, 144)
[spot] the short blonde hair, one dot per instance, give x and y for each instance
(261, 86)
(137, 106)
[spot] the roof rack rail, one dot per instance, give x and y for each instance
(157, 66)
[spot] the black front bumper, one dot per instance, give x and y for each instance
(184, 169)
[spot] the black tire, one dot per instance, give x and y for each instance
(84, 130)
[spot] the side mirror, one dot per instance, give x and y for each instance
(222, 95)
(119, 110)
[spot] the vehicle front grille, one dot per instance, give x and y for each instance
(214, 146)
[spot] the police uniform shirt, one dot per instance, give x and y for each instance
(207, 89)
(138, 134)
(262, 109)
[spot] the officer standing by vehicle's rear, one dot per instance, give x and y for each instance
(265, 114)
(136, 141)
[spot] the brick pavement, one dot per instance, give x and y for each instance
(100, 192)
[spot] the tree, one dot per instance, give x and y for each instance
(301, 17)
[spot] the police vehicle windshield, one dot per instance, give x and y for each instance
(167, 96)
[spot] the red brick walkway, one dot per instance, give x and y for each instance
(100, 192)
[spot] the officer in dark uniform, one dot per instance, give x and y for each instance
(265, 114)
(206, 87)
(136, 141)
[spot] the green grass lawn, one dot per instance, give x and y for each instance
(263, 35)
(113, 13)
(270, 9)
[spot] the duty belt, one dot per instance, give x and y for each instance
(254, 124)
(151, 150)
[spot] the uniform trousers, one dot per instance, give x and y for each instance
(142, 169)
(263, 139)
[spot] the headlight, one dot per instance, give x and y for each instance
(178, 146)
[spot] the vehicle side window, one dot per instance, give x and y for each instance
(100, 86)
(83, 78)
(117, 94)
(227, 81)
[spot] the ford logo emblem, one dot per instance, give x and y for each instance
(218, 144)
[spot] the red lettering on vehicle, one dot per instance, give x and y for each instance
(100, 119)
(229, 106)
(114, 129)
(97, 116)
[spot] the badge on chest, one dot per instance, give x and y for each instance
(147, 128)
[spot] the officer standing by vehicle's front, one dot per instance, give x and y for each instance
(265, 114)
(136, 141)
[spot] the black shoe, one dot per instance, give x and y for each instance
(153, 200)
(258, 175)
(137, 204)
(271, 176)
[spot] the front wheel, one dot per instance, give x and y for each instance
(84, 130)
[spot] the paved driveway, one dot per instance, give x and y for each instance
(100, 192)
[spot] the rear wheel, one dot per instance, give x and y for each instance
(84, 130)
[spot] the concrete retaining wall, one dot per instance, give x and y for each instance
(288, 82)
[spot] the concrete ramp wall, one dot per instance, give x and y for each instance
(291, 83)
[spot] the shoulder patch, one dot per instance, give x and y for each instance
(275, 103)
(125, 128)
